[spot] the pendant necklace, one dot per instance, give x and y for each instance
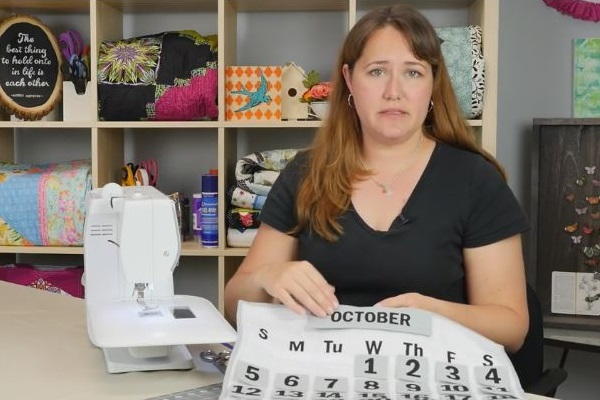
(386, 189)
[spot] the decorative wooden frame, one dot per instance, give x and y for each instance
(549, 248)
(36, 112)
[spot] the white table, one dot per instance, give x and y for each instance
(45, 354)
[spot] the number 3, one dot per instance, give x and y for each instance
(454, 374)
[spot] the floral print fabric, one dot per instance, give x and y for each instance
(43, 205)
(255, 175)
(167, 76)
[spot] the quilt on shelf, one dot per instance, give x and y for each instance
(43, 205)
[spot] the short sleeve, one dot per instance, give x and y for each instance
(279, 210)
(494, 213)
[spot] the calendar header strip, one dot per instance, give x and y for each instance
(404, 320)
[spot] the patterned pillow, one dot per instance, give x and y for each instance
(167, 76)
(463, 55)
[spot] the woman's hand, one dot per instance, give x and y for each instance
(299, 286)
(414, 300)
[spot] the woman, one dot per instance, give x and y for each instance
(394, 204)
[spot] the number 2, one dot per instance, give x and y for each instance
(415, 364)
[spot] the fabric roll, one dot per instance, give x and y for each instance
(256, 172)
(463, 56)
(245, 199)
(236, 238)
(43, 205)
(243, 219)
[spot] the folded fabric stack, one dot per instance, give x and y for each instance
(255, 175)
(55, 279)
(43, 205)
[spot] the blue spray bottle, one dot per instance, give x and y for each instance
(210, 218)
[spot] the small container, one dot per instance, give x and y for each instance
(210, 218)
(197, 216)
(185, 218)
(77, 107)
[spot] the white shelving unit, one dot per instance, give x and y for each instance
(221, 142)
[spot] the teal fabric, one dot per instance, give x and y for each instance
(457, 48)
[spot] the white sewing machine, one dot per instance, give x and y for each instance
(131, 248)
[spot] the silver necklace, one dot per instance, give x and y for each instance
(386, 189)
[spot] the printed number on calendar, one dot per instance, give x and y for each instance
(246, 390)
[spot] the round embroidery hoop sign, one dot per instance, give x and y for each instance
(30, 79)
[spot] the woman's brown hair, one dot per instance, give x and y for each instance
(335, 158)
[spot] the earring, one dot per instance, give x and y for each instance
(349, 103)
(430, 106)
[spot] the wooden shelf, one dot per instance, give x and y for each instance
(236, 251)
(45, 124)
(188, 248)
(145, 6)
(45, 6)
(158, 124)
(290, 5)
(441, 4)
(191, 248)
(41, 249)
(172, 124)
(273, 124)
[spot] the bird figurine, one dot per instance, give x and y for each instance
(255, 98)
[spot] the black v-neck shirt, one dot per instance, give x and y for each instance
(460, 201)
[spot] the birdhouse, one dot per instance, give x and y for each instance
(291, 93)
(253, 93)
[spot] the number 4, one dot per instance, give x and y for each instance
(492, 375)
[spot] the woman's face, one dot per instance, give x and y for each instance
(391, 89)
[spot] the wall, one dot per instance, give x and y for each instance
(535, 81)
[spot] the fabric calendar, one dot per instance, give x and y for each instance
(363, 353)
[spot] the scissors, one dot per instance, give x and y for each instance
(128, 174)
(77, 67)
(71, 44)
(219, 360)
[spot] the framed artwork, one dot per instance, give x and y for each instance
(253, 93)
(30, 78)
(586, 78)
(565, 218)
